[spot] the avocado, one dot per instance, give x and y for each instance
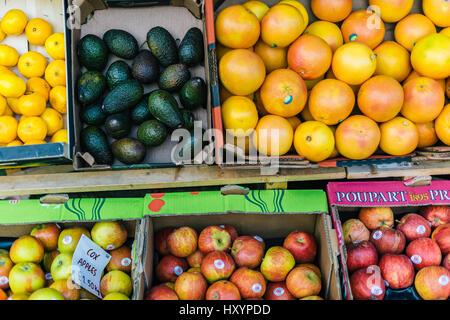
(190, 146)
(152, 133)
(191, 48)
(118, 125)
(188, 118)
(164, 107)
(174, 77)
(94, 141)
(93, 114)
(91, 86)
(193, 95)
(92, 52)
(163, 46)
(140, 112)
(124, 96)
(145, 67)
(117, 72)
(121, 43)
(129, 150)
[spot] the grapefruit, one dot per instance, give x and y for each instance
(331, 10)
(273, 57)
(442, 125)
(363, 26)
(258, 8)
(357, 137)
(414, 74)
(239, 115)
(273, 135)
(438, 11)
(431, 56)
(393, 10)
(427, 134)
(399, 136)
(412, 28)
(301, 8)
(328, 31)
(392, 60)
(314, 140)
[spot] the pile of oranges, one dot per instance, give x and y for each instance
(24, 116)
(334, 87)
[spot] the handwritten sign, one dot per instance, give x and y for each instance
(88, 262)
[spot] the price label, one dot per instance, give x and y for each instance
(88, 262)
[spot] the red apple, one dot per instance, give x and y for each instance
(247, 251)
(217, 265)
(48, 234)
(161, 292)
(302, 245)
(26, 249)
(376, 217)
(109, 235)
(355, 230)
(68, 289)
(191, 286)
(277, 263)
(251, 283)
(5, 267)
(433, 283)
(223, 290)
(214, 238)
(231, 230)
(361, 255)
(303, 282)
(414, 226)
(313, 267)
(116, 281)
(26, 277)
(367, 284)
(195, 259)
(446, 261)
(436, 215)
(442, 236)
(169, 268)
(312, 298)
(397, 270)
(424, 252)
(388, 240)
(120, 260)
(161, 240)
(182, 242)
(278, 291)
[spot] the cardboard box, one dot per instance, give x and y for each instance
(346, 199)
(270, 214)
(96, 18)
(51, 153)
(19, 217)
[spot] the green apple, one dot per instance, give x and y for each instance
(116, 281)
(116, 296)
(19, 296)
(68, 239)
(46, 294)
(109, 234)
(27, 249)
(48, 259)
(26, 277)
(61, 267)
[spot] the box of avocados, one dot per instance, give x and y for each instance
(19, 217)
(141, 90)
(269, 215)
(27, 155)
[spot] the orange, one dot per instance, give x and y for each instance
(241, 72)
(32, 129)
(431, 56)
(37, 31)
(314, 140)
(354, 63)
(11, 86)
(392, 60)
(331, 10)
(8, 56)
(331, 101)
(14, 22)
(32, 104)
(273, 135)
(392, 10)
(281, 25)
(294, 121)
(58, 99)
(3, 105)
(312, 83)
(442, 125)
(412, 28)
(273, 57)
(38, 85)
(8, 129)
(310, 56)
(55, 47)
(445, 31)
(424, 100)
(34, 142)
(328, 31)
(53, 119)
(240, 116)
(258, 8)
(55, 74)
(427, 134)
(32, 64)
(283, 93)
(363, 26)
(414, 74)
(438, 11)
(13, 104)
(60, 136)
(15, 143)
(381, 98)
(399, 136)
(301, 8)
(357, 137)
(237, 28)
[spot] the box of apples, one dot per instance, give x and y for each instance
(394, 239)
(260, 245)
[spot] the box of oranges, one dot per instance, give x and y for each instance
(323, 83)
(36, 124)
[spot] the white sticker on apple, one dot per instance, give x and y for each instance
(443, 280)
(178, 270)
(4, 280)
(378, 234)
(258, 238)
(416, 259)
(219, 264)
(67, 240)
(110, 247)
(278, 291)
(256, 288)
(126, 262)
(376, 291)
(421, 229)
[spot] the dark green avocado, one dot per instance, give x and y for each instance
(93, 114)
(163, 46)
(124, 96)
(118, 72)
(174, 77)
(129, 150)
(152, 133)
(145, 67)
(94, 141)
(118, 125)
(92, 52)
(121, 43)
(191, 50)
(164, 107)
(91, 86)
(193, 95)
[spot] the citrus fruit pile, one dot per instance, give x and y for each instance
(334, 86)
(25, 117)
